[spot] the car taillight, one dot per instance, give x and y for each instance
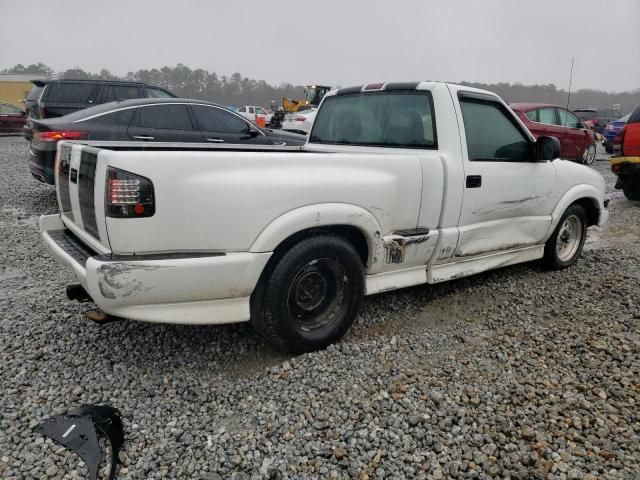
(128, 195)
(299, 119)
(56, 135)
(618, 140)
(609, 128)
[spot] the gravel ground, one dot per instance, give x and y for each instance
(516, 373)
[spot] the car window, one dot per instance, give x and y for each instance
(242, 109)
(34, 93)
(568, 119)
(396, 119)
(168, 117)
(532, 115)
(491, 132)
(4, 108)
(107, 94)
(635, 116)
(71, 92)
(214, 119)
(124, 92)
(260, 111)
(547, 115)
(251, 110)
(157, 93)
(121, 117)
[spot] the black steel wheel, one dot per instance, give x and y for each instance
(311, 296)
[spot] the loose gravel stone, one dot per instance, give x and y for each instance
(515, 373)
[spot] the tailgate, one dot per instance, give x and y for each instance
(80, 188)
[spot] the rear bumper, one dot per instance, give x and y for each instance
(41, 164)
(173, 288)
(625, 165)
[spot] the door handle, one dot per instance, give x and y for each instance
(215, 140)
(474, 181)
(143, 137)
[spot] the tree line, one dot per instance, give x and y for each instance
(238, 90)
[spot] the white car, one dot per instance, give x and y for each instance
(299, 122)
(399, 184)
(252, 113)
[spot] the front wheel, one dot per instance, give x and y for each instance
(589, 155)
(565, 244)
(631, 188)
(312, 295)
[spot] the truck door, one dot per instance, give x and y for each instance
(508, 195)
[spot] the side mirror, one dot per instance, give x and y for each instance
(547, 148)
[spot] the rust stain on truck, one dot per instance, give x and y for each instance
(397, 247)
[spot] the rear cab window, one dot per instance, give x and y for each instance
(395, 119)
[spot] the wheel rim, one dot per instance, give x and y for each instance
(318, 295)
(569, 238)
(589, 154)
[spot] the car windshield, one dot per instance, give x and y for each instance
(586, 114)
(384, 119)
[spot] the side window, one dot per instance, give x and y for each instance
(492, 133)
(242, 109)
(168, 117)
(532, 115)
(213, 119)
(121, 117)
(122, 92)
(260, 111)
(107, 94)
(251, 110)
(548, 116)
(568, 119)
(72, 92)
(157, 93)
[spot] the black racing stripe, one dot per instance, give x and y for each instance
(347, 90)
(401, 86)
(86, 184)
(63, 181)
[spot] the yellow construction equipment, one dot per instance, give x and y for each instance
(312, 96)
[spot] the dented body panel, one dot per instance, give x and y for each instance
(222, 214)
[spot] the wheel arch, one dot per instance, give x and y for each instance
(587, 196)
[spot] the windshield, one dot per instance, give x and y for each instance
(383, 119)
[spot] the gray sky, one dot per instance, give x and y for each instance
(336, 42)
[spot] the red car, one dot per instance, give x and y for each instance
(625, 161)
(12, 118)
(577, 142)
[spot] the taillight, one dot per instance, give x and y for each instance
(618, 140)
(54, 136)
(128, 195)
(609, 128)
(299, 119)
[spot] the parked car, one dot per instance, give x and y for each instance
(153, 120)
(399, 184)
(60, 97)
(612, 129)
(299, 122)
(625, 162)
(12, 118)
(576, 141)
(597, 118)
(257, 115)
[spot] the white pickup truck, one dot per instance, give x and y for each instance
(399, 184)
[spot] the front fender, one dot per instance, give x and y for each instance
(321, 215)
(577, 192)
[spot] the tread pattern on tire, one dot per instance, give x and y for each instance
(262, 317)
(550, 258)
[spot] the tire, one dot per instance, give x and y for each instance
(631, 188)
(311, 296)
(565, 244)
(589, 155)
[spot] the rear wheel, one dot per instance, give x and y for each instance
(631, 188)
(311, 297)
(589, 155)
(565, 245)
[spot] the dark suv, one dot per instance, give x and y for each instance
(55, 98)
(597, 118)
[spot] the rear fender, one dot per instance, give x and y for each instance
(322, 215)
